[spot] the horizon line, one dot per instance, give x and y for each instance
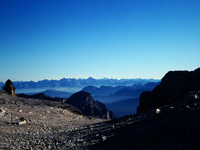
(82, 79)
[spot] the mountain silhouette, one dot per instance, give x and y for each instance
(88, 106)
(175, 85)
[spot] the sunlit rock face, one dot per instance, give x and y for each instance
(9, 87)
(173, 87)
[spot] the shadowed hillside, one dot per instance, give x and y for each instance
(174, 87)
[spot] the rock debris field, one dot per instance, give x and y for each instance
(48, 125)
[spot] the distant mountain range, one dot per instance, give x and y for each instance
(121, 96)
(122, 100)
(117, 92)
(72, 82)
(56, 93)
(103, 90)
(106, 92)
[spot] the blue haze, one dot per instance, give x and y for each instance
(50, 39)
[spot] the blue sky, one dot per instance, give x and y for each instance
(52, 39)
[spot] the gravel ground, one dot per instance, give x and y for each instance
(47, 127)
(52, 126)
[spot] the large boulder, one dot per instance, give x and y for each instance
(9, 87)
(88, 106)
(173, 87)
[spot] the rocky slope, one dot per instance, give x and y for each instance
(167, 118)
(174, 87)
(81, 100)
(48, 125)
(88, 106)
(42, 96)
(170, 127)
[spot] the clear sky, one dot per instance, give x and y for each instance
(52, 39)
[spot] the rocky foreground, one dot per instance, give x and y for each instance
(50, 126)
(167, 118)
(39, 124)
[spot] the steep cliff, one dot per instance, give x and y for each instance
(174, 86)
(88, 106)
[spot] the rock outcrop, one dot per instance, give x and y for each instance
(173, 87)
(88, 106)
(9, 87)
(48, 100)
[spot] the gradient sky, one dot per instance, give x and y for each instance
(52, 39)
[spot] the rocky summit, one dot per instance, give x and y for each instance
(88, 106)
(9, 87)
(174, 87)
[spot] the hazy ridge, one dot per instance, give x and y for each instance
(72, 82)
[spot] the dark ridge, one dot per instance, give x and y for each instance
(174, 86)
(43, 96)
(42, 99)
(88, 106)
